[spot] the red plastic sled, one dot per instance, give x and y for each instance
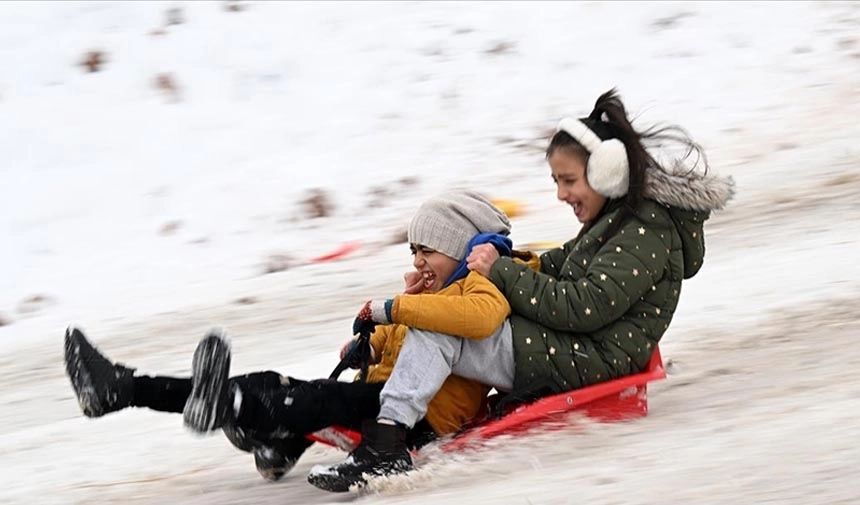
(615, 400)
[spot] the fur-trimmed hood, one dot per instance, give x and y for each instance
(687, 189)
(690, 197)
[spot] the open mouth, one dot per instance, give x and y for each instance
(429, 279)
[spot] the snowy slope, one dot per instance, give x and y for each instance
(144, 216)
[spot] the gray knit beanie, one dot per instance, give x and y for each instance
(447, 222)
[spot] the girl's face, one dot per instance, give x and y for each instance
(568, 173)
(434, 266)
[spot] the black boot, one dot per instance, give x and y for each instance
(277, 457)
(209, 406)
(253, 427)
(273, 458)
(100, 386)
(382, 452)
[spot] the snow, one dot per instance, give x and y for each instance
(144, 217)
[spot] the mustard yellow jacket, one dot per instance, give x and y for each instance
(471, 307)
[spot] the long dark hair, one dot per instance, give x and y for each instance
(608, 120)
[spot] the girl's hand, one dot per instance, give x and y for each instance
(481, 258)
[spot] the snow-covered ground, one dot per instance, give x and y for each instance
(146, 216)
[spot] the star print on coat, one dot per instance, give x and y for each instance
(636, 273)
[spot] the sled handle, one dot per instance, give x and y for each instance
(359, 353)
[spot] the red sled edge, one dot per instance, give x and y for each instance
(615, 400)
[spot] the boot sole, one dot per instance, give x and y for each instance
(80, 377)
(332, 483)
(349, 476)
(210, 371)
(328, 480)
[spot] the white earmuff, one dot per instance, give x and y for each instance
(608, 170)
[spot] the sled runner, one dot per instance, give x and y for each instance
(615, 400)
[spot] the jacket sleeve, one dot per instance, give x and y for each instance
(628, 265)
(551, 261)
(476, 312)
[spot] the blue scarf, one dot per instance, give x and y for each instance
(503, 245)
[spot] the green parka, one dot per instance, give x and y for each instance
(599, 305)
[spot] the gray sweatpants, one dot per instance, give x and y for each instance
(428, 358)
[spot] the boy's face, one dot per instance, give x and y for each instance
(434, 266)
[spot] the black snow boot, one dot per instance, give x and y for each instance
(100, 385)
(274, 457)
(210, 404)
(382, 452)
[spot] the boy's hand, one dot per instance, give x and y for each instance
(372, 313)
(350, 348)
(414, 282)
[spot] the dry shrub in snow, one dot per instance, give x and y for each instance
(34, 303)
(379, 196)
(846, 43)
(169, 228)
(93, 61)
(5, 320)
(167, 85)
(501, 48)
(174, 16)
(672, 21)
(235, 6)
(278, 262)
(408, 181)
(846, 179)
(317, 203)
(384, 195)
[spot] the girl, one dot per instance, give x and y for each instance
(594, 310)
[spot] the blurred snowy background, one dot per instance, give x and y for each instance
(166, 167)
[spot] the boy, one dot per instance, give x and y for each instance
(269, 414)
